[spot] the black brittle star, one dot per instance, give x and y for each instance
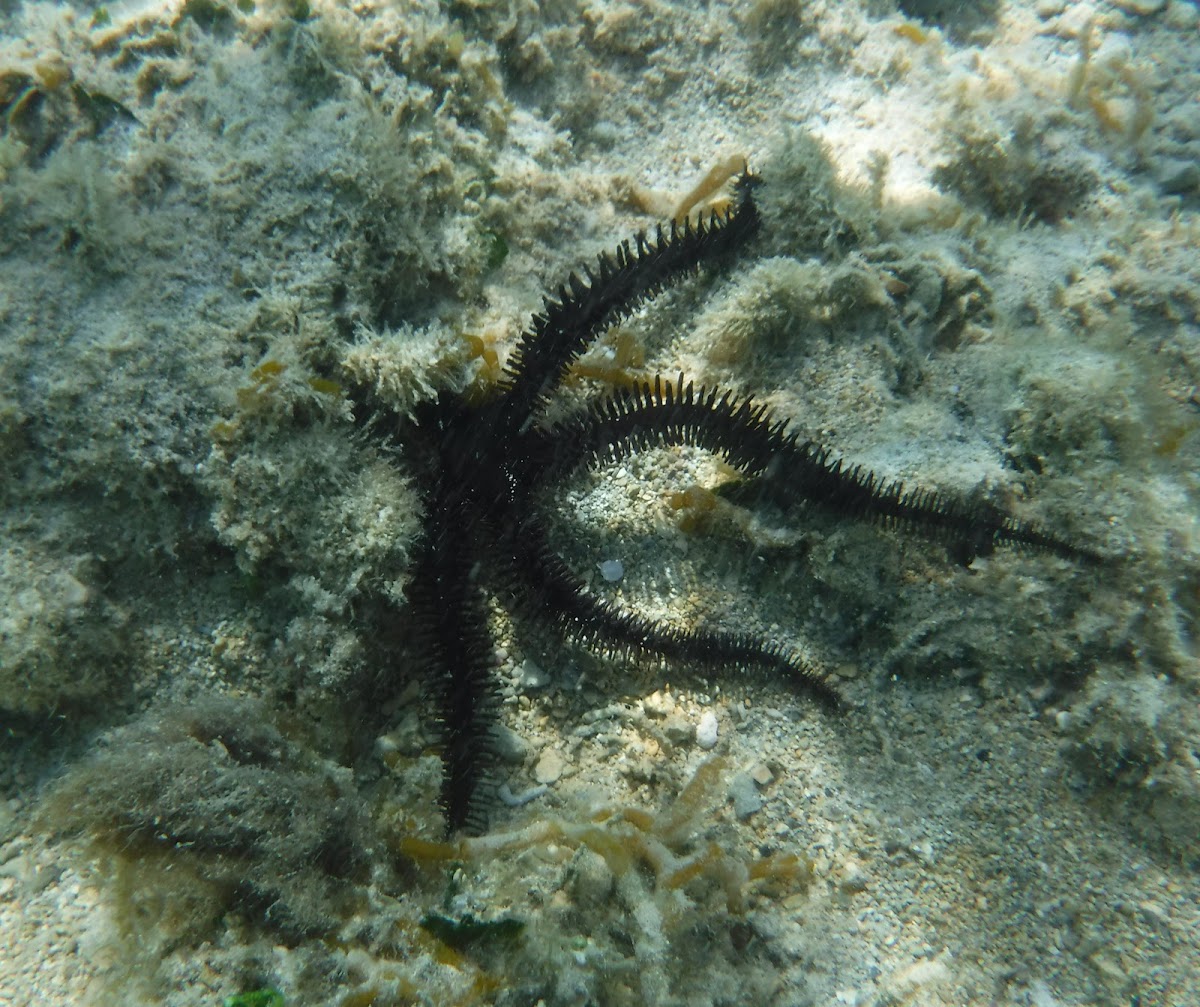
(484, 466)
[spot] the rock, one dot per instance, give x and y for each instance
(549, 767)
(407, 738)
(761, 774)
(853, 878)
(706, 731)
(745, 796)
(612, 570)
(509, 746)
(659, 704)
(591, 879)
(678, 729)
(532, 676)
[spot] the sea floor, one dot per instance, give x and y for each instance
(977, 273)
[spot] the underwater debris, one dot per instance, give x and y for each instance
(630, 882)
(630, 840)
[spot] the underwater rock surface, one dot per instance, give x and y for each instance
(977, 273)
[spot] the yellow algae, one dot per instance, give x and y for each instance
(324, 386)
(912, 32)
(266, 371)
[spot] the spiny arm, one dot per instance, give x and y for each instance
(784, 468)
(554, 591)
(450, 632)
(621, 282)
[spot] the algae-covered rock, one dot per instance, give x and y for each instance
(251, 819)
(61, 641)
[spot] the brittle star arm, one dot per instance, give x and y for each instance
(451, 635)
(621, 282)
(558, 593)
(785, 468)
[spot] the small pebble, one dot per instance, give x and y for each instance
(612, 570)
(761, 774)
(531, 676)
(744, 795)
(706, 731)
(508, 746)
(592, 880)
(549, 767)
(678, 729)
(854, 879)
(659, 704)
(1154, 914)
(1110, 970)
